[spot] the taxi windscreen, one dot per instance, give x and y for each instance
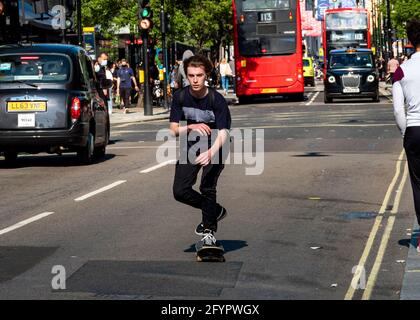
(353, 60)
(34, 68)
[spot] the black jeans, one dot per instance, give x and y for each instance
(125, 96)
(412, 150)
(186, 177)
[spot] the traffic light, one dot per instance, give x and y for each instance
(145, 15)
(70, 9)
(9, 13)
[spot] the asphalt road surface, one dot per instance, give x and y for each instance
(333, 195)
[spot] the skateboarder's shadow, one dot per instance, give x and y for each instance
(228, 245)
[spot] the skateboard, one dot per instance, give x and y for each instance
(210, 254)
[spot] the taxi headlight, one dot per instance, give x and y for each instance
(371, 78)
(331, 79)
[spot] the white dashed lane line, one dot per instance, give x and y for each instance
(25, 222)
(94, 193)
(163, 164)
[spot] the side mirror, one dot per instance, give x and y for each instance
(105, 84)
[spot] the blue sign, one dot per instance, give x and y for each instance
(348, 4)
(321, 7)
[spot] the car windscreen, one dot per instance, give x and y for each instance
(34, 68)
(350, 60)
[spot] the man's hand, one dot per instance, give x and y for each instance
(204, 158)
(137, 88)
(202, 128)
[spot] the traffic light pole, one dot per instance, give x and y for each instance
(79, 22)
(165, 66)
(148, 108)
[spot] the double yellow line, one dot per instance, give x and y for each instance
(385, 237)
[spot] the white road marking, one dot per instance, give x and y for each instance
(163, 164)
(25, 222)
(313, 99)
(94, 193)
(139, 147)
(369, 244)
(385, 239)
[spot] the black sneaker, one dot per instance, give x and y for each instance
(208, 240)
(200, 228)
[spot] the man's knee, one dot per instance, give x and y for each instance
(181, 193)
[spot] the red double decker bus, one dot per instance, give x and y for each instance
(345, 27)
(268, 48)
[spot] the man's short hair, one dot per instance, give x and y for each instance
(198, 61)
(413, 32)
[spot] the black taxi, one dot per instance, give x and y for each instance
(351, 74)
(49, 102)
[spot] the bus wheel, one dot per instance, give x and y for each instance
(244, 99)
(298, 97)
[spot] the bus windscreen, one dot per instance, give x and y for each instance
(346, 21)
(265, 4)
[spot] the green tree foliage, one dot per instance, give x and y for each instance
(403, 11)
(200, 23)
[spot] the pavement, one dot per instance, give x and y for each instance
(385, 90)
(136, 114)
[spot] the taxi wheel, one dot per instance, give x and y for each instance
(85, 154)
(10, 157)
(327, 99)
(100, 152)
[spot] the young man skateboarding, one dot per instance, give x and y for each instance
(199, 111)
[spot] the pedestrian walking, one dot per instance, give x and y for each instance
(225, 73)
(182, 79)
(392, 66)
(233, 76)
(405, 89)
(125, 75)
(204, 110)
(100, 70)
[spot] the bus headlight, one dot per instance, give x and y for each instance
(371, 78)
(331, 79)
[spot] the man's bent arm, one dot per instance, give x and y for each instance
(176, 129)
(219, 142)
(399, 111)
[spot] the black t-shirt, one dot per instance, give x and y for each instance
(196, 110)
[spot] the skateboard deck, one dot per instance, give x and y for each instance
(211, 254)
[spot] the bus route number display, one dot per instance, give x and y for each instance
(265, 16)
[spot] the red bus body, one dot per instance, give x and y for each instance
(261, 66)
(345, 27)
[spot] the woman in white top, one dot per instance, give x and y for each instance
(225, 73)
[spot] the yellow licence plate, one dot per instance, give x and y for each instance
(269, 91)
(26, 106)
